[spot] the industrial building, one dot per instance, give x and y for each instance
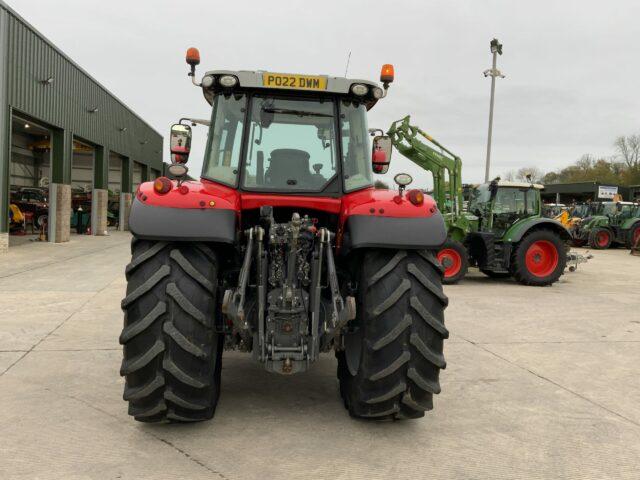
(586, 191)
(71, 153)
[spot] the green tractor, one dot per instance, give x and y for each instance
(612, 223)
(512, 237)
(503, 233)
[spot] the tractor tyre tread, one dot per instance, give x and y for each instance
(629, 243)
(593, 238)
(494, 274)
(171, 352)
(401, 326)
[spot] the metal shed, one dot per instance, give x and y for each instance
(40, 84)
(582, 191)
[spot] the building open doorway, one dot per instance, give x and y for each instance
(29, 180)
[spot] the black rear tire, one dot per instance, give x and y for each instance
(172, 354)
(454, 259)
(392, 359)
(524, 270)
(634, 236)
(492, 274)
(600, 238)
(578, 242)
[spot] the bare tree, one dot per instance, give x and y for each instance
(628, 149)
(509, 176)
(585, 162)
(535, 174)
(552, 177)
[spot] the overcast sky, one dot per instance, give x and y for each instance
(572, 67)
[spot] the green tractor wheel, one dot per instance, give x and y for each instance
(454, 260)
(539, 259)
(600, 238)
(634, 236)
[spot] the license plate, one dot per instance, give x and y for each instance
(302, 82)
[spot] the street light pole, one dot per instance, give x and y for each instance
(493, 72)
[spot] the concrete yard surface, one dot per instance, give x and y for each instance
(541, 383)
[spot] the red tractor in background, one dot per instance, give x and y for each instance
(283, 249)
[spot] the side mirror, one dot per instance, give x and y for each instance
(180, 142)
(381, 154)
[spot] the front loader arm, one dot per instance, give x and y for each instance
(406, 139)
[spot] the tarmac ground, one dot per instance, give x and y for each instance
(541, 383)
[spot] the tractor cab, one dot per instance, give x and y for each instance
(584, 210)
(499, 205)
(624, 211)
(611, 213)
(608, 209)
(279, 133)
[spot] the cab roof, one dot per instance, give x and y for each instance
(255, 79)
(505, 183)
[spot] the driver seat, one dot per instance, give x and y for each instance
(288, 164)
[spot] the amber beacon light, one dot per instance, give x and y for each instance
(386, 74)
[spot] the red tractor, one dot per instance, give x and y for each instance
(283, 249)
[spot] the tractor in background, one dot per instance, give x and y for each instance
(503, 233)
(513, 238)
(283, 250)
(572, 218)
(612, 223)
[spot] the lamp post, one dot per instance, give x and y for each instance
(493, 72)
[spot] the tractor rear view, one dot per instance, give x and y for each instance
(503, 233)
(283, 250)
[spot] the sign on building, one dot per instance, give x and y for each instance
(606, 192)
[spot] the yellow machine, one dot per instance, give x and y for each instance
(15, 215)
(567, 220)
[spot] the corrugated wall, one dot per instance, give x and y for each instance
(65, 103)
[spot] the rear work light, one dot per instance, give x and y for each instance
(415, 196)
(228, 81)
(207, 81)
(359, 89)
(162, 185)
